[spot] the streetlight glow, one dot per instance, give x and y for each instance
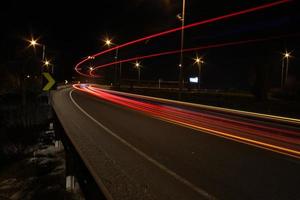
(47, 62)
(33, 42)
(198, 60)
(137, 64)
(91, 68)
(108, 42)
(286, 55)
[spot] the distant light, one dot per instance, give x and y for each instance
(66, 82)
(91, 57)
(193, 79)
(180, 65)
(33, 42)
(137, 64)
(198, 60)
(83, 85)
(47, 62)
(179, 17)
(91, 68)
(286, 55)
(28, 76)
(108, 42)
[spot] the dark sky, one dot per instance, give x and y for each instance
(74, 29)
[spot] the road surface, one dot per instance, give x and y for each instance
(140, 154)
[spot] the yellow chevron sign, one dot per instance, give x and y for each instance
(50, 83)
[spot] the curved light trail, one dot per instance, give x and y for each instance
(261, 7)
(226, 44)
(271, 137)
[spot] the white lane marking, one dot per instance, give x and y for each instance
(156, 163)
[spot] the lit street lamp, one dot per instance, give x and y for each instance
(199, 63)
(108, 42)
(47, 63)
(286, 57)
(182, 19)
(34, 43)
(138, 67)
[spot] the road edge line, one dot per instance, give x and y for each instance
(145, 156)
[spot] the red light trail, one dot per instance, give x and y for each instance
(226, 44)
(277, 139)
(227, 16)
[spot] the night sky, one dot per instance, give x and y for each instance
(74, 29)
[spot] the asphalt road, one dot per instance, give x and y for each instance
(136, 156)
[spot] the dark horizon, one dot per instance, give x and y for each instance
(72, 31)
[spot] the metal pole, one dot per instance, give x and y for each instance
(282, 70)
(120, 73)
(43, 59)
(139, 73)
(116, 65)
(181, 47)
(287, 69)
(159, 83)
(199, 71)
(43, 55)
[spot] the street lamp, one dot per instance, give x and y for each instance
(286, 57)
(199, 63)
(182, 19)
(138, 67)
(47, 63)
(108, 42)
(34, 42)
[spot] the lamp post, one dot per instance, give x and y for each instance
(108, 43)
(282, 71)
(285, 64)
(138, 67)
(182, 18)
(286, 56)
(199, 63)
(47, 63)
(34, 43)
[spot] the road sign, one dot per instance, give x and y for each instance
(50, 83)
(194, 79)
